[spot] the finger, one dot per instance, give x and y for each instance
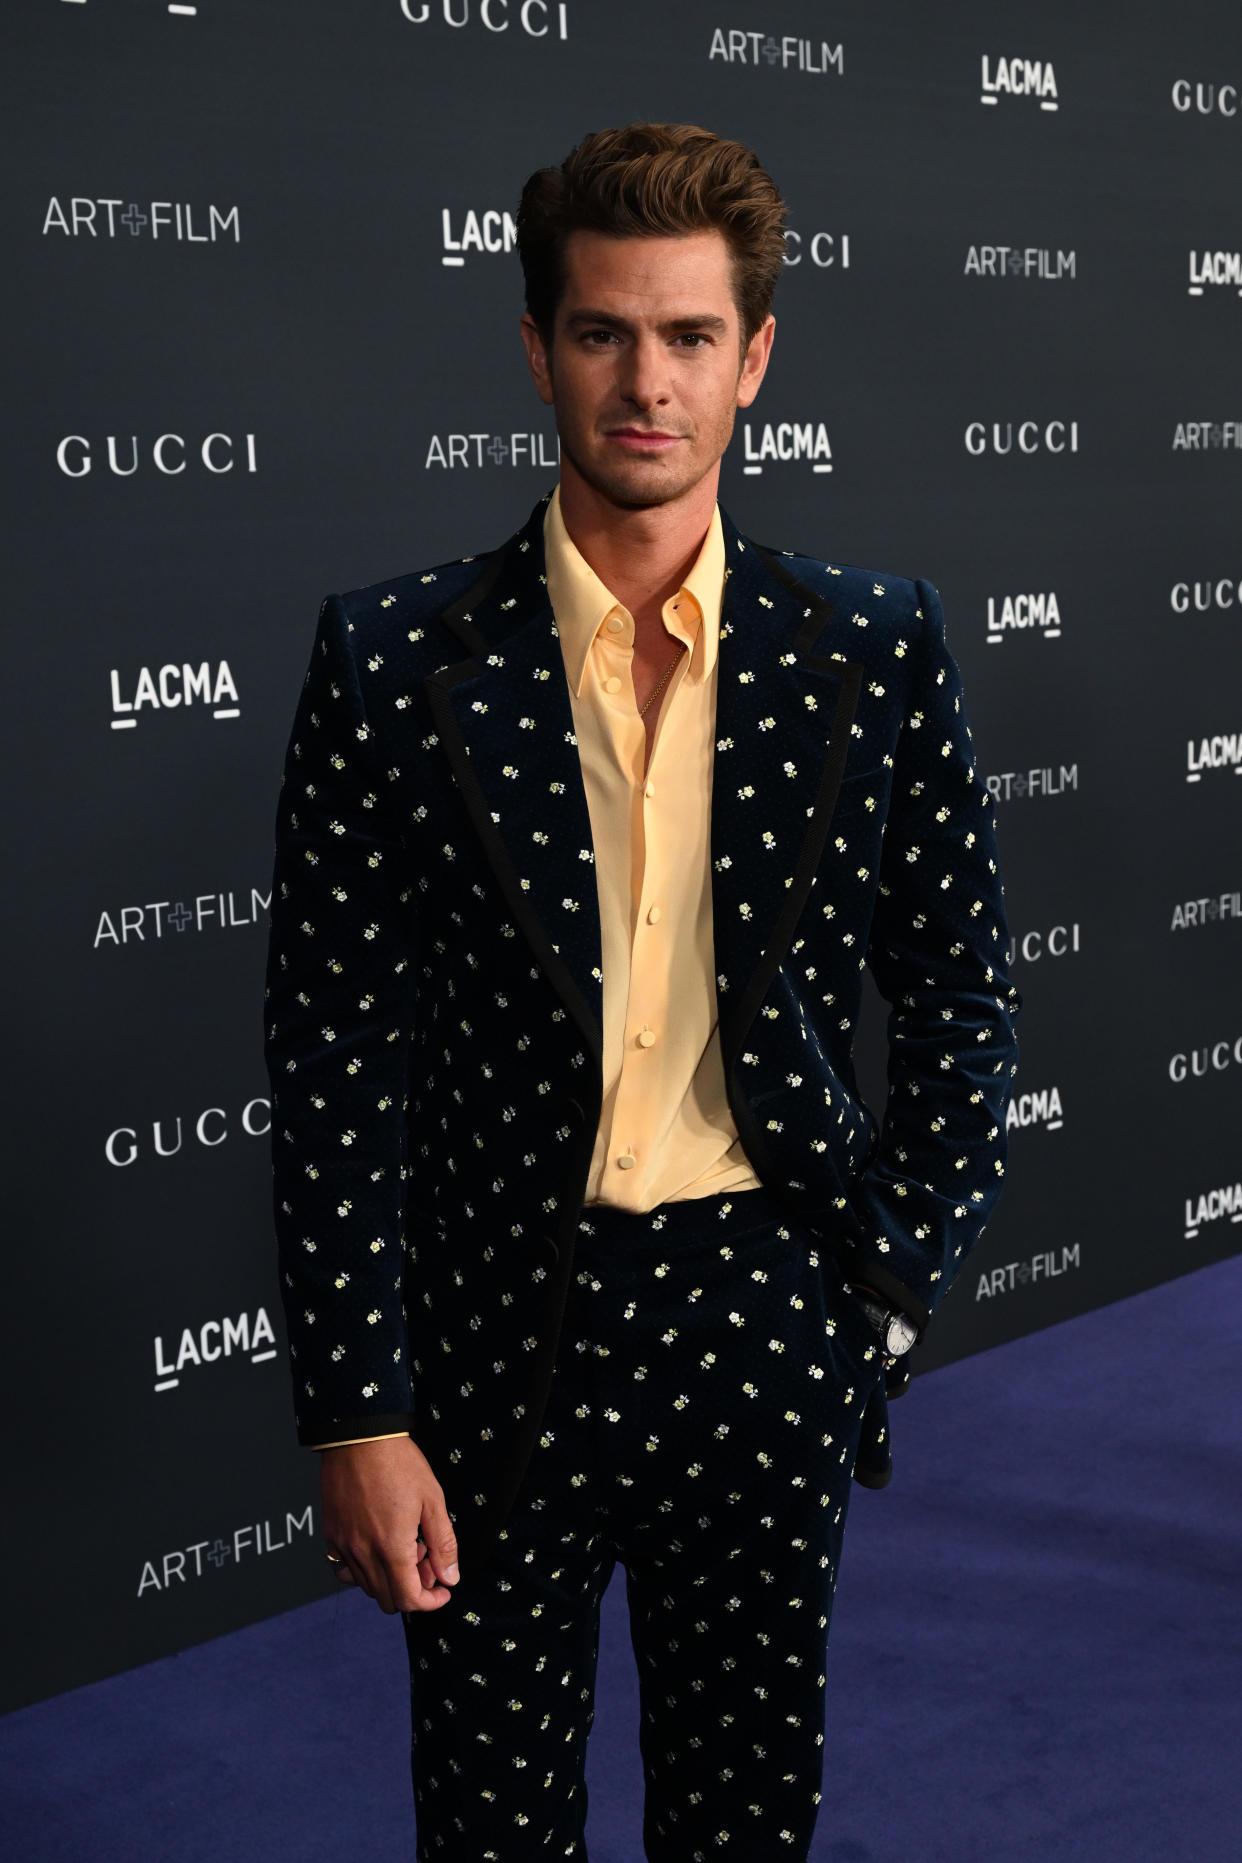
(428, 1579)
(340, 1566)
(437, 1531)
(413, 1583)
(427, 1595)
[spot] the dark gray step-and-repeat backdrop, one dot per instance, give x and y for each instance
(264, 305)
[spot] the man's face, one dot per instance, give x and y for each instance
(645, 368)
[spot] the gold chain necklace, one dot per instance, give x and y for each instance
(658, 686)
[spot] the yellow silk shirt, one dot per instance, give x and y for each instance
(666, 1131)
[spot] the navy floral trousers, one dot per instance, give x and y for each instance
(702, 1427)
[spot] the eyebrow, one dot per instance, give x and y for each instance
(707, 321)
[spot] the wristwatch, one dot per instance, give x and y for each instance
(897, 1333)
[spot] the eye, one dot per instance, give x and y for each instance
(598, 338)
(694, 337)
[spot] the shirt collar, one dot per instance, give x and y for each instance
(582, 603)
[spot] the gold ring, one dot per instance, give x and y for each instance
(334, 1558)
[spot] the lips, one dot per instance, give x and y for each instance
(637, 440)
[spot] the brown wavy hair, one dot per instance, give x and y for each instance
(661, 180)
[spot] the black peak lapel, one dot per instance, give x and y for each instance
(784, 713)
(504, 719)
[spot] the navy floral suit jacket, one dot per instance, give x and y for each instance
(434, 983)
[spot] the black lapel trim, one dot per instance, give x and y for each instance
(558, 972)
(458, 615)
(818, 612)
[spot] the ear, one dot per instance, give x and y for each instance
(537, 357)
(755, 362)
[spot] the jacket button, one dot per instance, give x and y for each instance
(573, 1111)
(548, 1250)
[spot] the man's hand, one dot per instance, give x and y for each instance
(378, 1497)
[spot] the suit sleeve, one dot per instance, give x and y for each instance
(938, 951)
(339, 1020)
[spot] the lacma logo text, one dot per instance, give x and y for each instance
(1030, 614)
(785, 441)
(215, 1341)
(1212, 1207)
(1036, 1109)
(173, 686)
(493, 230)
(1018, 77)
(1215, 268)
(1213, 753)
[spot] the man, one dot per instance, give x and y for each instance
(590, 1250)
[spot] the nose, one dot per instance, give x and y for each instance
(643, 380)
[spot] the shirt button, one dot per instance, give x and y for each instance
(649, 789)
(612, 684)
(614, 624)
(626, 1161)
(653, 917)
(646, 1038)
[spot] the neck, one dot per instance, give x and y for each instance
(641, 555)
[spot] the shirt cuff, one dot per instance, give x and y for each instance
(344, 1442)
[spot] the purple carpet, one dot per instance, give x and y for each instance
(1036, 1652)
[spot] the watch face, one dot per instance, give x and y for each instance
(902, 1334)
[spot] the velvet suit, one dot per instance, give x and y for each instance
(433, 1009)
